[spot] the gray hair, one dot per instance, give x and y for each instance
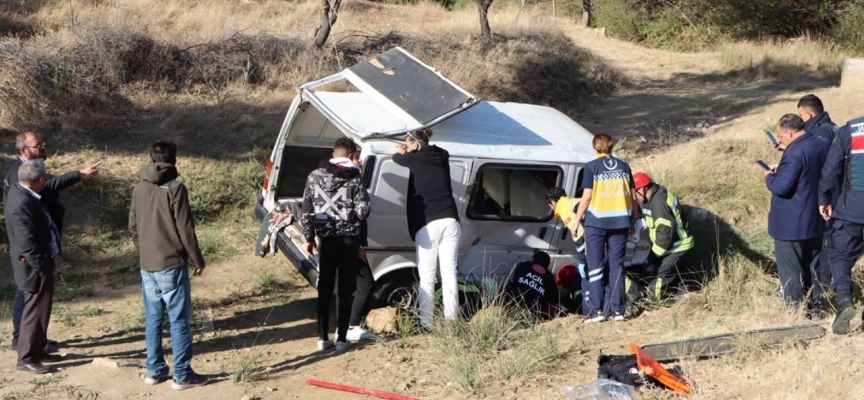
(31, 171)
(21, 139)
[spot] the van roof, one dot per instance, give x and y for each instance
(488, 129)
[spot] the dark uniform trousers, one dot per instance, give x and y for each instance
(846, 246)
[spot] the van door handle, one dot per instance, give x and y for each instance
(542, 233)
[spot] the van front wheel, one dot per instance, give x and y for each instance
(396, 289)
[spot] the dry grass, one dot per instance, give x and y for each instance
(801, 58)
(77, 81)
(97, 60)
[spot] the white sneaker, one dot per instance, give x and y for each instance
(356, 334)
(324, 344)
(342, 346)
(595, 319)
(618, 317)
(155, 380)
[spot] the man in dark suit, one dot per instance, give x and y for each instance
(31, 146)
(34, 242)
(794, 221)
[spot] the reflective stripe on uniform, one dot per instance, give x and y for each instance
(685, 240)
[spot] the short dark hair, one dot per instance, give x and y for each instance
(345, 144)
(542, 258)
(555, 193)
(423, 135)
(791, 122)
(812, 103)
(163, 151)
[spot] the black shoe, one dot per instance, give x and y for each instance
(192, 380)
(52, 358)
(33, 368)
(845, 313)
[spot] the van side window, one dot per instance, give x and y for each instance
(579, 189)
(368, 171)
(512, 193)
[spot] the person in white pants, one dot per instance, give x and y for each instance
(433, 221)
(438, 242)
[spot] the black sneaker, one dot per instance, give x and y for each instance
(192, 380)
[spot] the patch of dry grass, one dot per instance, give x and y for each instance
(804, 58)
(99, 67)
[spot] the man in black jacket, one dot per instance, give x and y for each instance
(31, 146)
(34, 241)
(816, 119)
(818, 122)
(334, 204)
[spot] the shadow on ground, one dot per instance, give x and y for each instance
(661, 113)
(716, 238)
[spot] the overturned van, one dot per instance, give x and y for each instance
(503, 158)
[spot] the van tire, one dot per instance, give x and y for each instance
(396, 289)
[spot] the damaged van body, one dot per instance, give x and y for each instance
(503, 158)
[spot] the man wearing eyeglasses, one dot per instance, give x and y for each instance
(31, 146)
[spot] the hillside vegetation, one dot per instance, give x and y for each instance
(101, 78)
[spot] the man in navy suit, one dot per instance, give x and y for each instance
(34, 241)
(794, 220)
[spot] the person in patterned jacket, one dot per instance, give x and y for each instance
(335, 203)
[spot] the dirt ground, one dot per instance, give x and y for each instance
(274, 329)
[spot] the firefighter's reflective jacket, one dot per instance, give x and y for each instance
(666, 225)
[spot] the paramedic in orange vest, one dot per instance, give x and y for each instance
(610, 211)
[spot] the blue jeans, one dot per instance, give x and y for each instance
(168, 289)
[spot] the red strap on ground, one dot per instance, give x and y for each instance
(353, 389)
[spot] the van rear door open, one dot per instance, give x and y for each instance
(413, 89)
(411, 92)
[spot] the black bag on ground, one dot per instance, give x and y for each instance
(620, 369)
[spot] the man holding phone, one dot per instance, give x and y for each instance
(794, 221)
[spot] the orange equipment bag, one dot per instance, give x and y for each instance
(653, 369)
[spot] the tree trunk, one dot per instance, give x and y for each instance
(328, 18)
(483, 8)
(586, 13)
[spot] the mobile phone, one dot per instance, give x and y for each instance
(763, 165)
(771, 137)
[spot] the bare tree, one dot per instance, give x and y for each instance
(483, 8)
(329, 13)
(586, 13)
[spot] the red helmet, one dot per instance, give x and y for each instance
(566, 275)
(641, 179)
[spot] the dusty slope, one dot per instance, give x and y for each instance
(278, 332)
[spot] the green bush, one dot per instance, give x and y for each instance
(621, 18)
(693, 24)
(850, 24)
(662, 31)
(224, 187)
